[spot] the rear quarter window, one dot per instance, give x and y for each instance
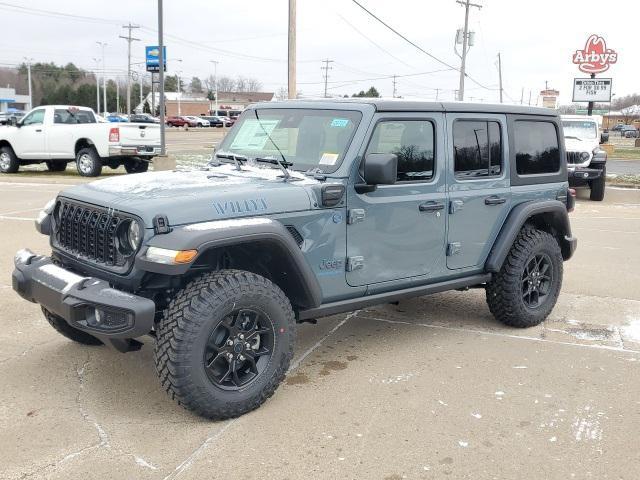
(537, 150)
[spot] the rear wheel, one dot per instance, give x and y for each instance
(597, 186)
(136, 165)
(88, 162)
(56, 166)
(9, 163)
(66, 330)
(525, 290)
(225, 343)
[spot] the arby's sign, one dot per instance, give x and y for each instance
(595, 57)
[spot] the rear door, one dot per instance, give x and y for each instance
(398, 231)
(479, 188)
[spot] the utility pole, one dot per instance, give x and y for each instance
(326, 69)
(292, 50)
(129, 39)
(465, 43)
(161, 60)
(529, 97)
(394, 87)
(521, 96)
(437, 93)
(141, 96)
(29, 60)
(178, 73)
(97, 60)
(500, 74)
(104, 79)
(117, 96)
(215, 84)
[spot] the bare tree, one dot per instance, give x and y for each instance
(282, 94)
(226, 84)
(254, 85)
(241, 84)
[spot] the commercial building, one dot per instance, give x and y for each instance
(10, 99)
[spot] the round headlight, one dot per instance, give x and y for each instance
(134, 235)
(584, 156)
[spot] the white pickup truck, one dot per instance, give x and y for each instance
(59, 134)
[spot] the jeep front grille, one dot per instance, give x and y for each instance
(573, 158)
(88, 232)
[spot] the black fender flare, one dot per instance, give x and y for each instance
(239, 231)
(550, 215)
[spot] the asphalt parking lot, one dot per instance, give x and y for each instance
(430, 388)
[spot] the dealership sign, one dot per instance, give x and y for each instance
(595, 57)
(152, 56)
(592, 90)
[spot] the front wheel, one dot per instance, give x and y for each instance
(88, 163)
(9, 163)
(597, 187)
(225, 343)
(526, 289)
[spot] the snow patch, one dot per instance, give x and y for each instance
(143, 463)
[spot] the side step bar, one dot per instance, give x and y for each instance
(343, 306)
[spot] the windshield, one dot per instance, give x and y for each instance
(309, 139)
(580, 129)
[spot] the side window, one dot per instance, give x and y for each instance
(536, 146)
(68, 117)
(34, 118)
(477, 148)
(412, 141)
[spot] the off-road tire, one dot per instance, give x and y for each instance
(10, 163)
(136, 166)
(66, 330)
(193, 314)
(504, 292)
(56, 166)
(597, 186)
(88, 162)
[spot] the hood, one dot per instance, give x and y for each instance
(580, 145)
(194, 196)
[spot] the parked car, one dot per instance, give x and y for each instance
(143, 118)
(629, 131)
(586, 161)
(218, 122)
(59, 134)
(219, 264)
(116, 118)
(617, 127)
(197, 121)
(6, 116)
(232, 114)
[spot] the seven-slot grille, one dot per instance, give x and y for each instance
(573, 158)
(89, 232)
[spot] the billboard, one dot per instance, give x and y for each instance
(152, 56)
(592, 89)
(595, 57)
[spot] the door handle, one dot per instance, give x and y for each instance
(494, 200)
(38, 129)
(430, 206)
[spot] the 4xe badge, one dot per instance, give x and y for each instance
(596, 57)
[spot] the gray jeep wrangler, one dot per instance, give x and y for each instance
(307, 209)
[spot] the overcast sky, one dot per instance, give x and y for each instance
(249, 38)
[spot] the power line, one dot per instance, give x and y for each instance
(450, 67)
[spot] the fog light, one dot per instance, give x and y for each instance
(108, 319)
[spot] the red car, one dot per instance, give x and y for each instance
(179, 122)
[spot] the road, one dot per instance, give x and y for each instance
(430, 388)
(623, 167)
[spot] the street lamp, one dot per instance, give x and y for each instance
(97, 60)
(29, 60)
(104, 78)
(178, 74)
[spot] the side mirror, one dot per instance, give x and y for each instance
(604, 137)
(379, 169)
(13, 121)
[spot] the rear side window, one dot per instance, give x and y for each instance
(412, 141)
(477, 149)
(536, 147)
(72, 117)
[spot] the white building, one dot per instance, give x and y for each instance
(9, 99)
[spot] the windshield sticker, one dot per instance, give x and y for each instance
(253, 134)
(339, 122)
(328, 159)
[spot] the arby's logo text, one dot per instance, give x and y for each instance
(595, 57)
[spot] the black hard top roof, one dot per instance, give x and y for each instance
(401, 105)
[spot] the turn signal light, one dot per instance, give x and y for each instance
(185, 256)
(114, 135)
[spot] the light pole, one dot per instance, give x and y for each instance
(178, 74)
(97, 60)
(29, 60)
(161, 60)
(104, 78)
(215, 85)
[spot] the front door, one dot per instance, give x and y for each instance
(398, 231)
(479, 191)
(29, 141)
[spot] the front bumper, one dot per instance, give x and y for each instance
(134, 150)
(581, 175)
(86, 303)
